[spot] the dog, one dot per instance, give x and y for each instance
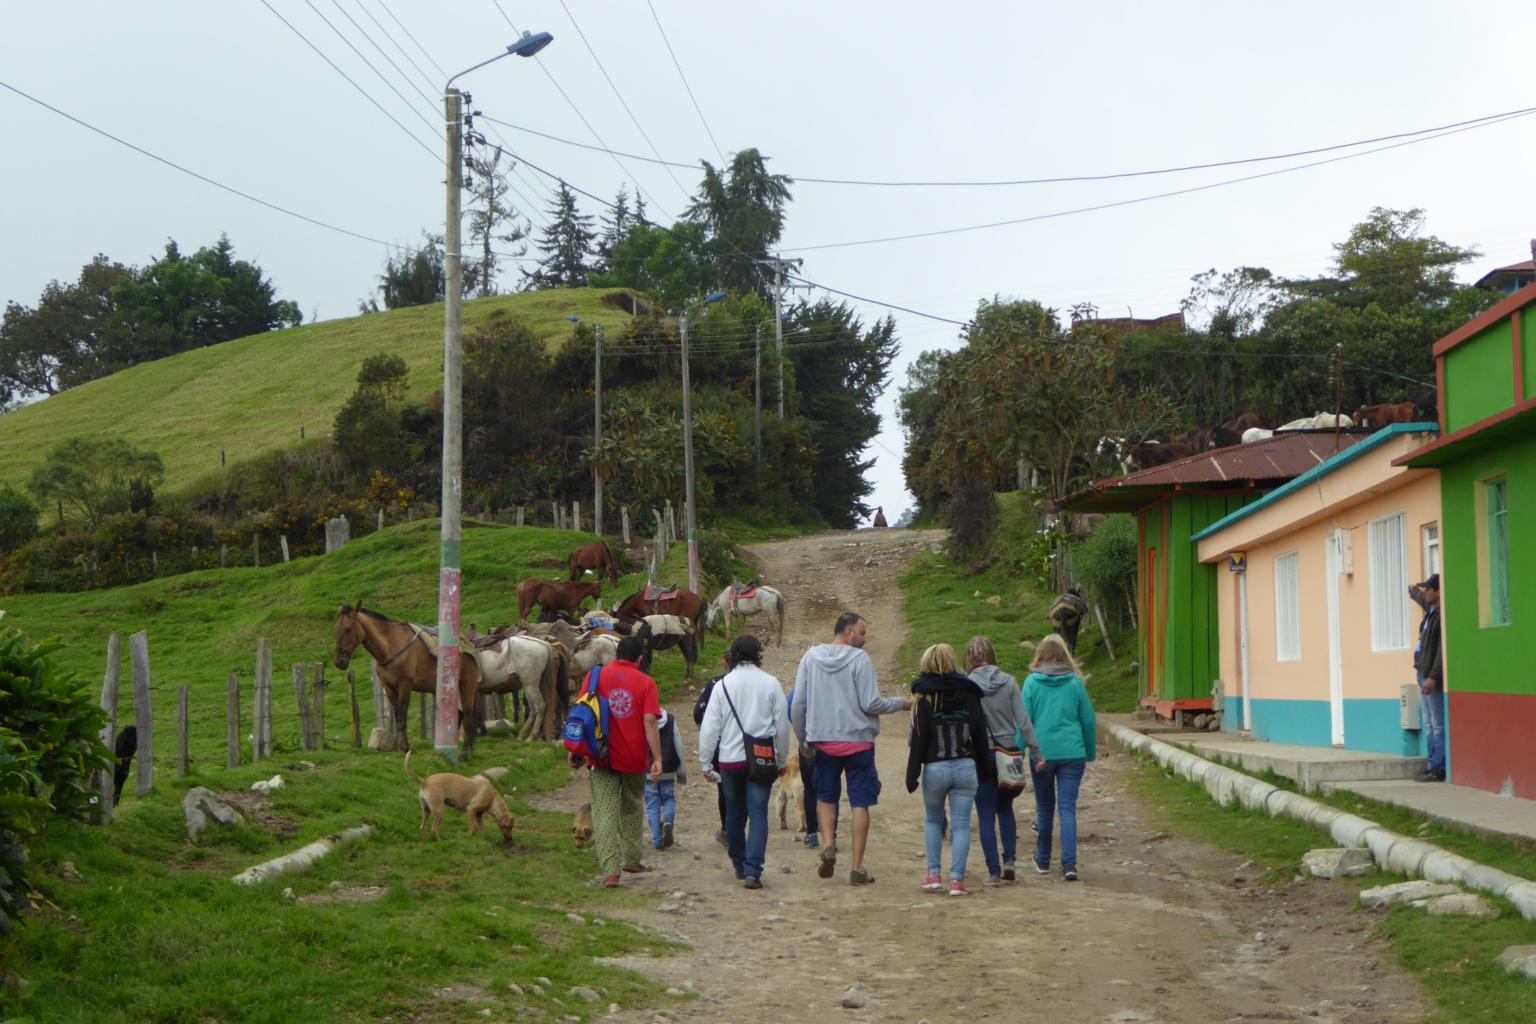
(474, 796)
(791, 791)
(124, 748)
(581, 831)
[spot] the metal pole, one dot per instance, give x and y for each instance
(597, 436)
(445, 738)
(693, 538)
(757, 394)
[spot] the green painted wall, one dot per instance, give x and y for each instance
(1477, 378)
(1491, 659)
(1528, 349)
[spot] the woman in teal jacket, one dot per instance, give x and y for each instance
(1057, 702)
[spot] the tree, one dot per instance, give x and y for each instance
(52, 347)
(416, 278)
(742, 207)
(670, 265)
(1385, 260)
(566, 246)
(369, 433)
(93, 477)
(491, 219)
(18, 519)
(617, 224)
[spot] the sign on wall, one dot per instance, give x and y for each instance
(1237, 561)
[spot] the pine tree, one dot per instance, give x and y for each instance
(491, 219)
(616, 227)
(566, 246)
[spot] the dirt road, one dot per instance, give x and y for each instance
(1158, 930)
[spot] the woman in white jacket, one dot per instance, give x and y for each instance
(747, 701)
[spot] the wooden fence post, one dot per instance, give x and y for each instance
(232, 720)
(1098, 612)
(183, 762)
(624, 519)
(357, 721)
(223, 555)
(575, 515)
(282, 543)
(301, 697)
(421, 715)
(109, 684)
(317, 719)
(520, 511)
(138, 655)
(261, 715)
(381, 517)
(383, 714)
(256, 550)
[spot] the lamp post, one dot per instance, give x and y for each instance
(688, 497)
(445, 735)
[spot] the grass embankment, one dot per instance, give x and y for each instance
(154, 930)
(253, 395)
(1452, 956)
(946, 603)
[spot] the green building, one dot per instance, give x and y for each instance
(1486, 455)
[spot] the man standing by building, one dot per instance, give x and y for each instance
(634, 749)
(1429, 666)
(837, 710)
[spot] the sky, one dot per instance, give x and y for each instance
(274, 99)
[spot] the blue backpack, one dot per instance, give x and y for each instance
(586, 727)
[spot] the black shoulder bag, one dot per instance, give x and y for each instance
(762, 760)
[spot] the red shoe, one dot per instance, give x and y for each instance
(957, 888)
(932, 883)
(611, 882)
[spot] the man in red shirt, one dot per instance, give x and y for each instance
(634, 748)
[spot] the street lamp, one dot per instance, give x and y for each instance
(688, 498)
(445, 735)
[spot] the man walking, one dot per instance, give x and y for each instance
(1066, 616)
(634, 748)
(1429, 666)
(837, 711)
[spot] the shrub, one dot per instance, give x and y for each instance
(18, 519)
(1106, 561)
(971, 516)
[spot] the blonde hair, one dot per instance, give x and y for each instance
(1053, 651)
(938, 660)
(978, 651)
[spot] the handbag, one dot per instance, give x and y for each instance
(1012, 772)
(762, 759)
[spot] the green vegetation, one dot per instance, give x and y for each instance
(1453, 956)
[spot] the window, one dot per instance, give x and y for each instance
(1389, 582)
(1431, 533)
(1287, 608)
(1498, 551)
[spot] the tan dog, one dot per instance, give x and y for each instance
(791, 791)
(474, 796)
(581, 831)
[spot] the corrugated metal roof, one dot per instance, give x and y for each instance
(1270, 462)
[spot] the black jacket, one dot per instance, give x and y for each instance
(947, 724)
(1431, 661)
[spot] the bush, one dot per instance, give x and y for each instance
(1106, 561)
(18, 519)
(49, 746)
(971, 516)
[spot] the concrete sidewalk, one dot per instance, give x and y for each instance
(1501, 817)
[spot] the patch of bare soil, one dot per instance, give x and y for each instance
(1159, 930)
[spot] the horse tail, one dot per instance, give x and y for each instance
(779, 609)
(410, 774)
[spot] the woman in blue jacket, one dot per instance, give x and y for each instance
(1058, 705)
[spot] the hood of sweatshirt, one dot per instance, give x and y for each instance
(833, 659)
(1053, 675)
(953, 682)
(991, 679)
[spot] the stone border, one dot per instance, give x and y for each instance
(1404, 855)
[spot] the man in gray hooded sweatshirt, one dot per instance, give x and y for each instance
(837, 710)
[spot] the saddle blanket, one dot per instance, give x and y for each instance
(739, 592)
(656, 592)
(668, 625)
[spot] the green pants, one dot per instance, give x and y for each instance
(618, 817)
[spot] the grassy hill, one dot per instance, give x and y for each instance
(252, 395)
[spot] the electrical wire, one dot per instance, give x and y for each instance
(430, 101)
(694, 99)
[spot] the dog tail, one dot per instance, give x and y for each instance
(410, 774)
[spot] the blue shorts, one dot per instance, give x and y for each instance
(863, 783)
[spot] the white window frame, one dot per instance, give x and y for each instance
(1388, 538)
(1288, 607)
(1430, 532)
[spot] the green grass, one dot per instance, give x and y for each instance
(943, 606)
(251, 396)
(1452, 956)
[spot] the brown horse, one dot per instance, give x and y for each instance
(682, 603)
(596, 556)
(555, 595)
(406, 662)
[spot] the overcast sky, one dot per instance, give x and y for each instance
(887, 91)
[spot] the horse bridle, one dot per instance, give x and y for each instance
(415, 636)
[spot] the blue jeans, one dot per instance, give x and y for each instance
(660, 806)
(1432, 705)
(956, 780)
(746, 821)
(1056, 787)
(994, 807)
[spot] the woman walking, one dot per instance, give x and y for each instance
(1056, 700)
(1007, 723)
(746, 702)
(949, 748)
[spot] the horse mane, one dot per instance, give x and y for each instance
(368, 612)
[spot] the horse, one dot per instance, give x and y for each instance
(653, 600)
(1382, 415)
(662, 633)
(536, 667)
(737, 600)
(596, 556)
(555, 595)
(406, 660)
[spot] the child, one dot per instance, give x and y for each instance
(661, 795)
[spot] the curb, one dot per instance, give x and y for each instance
(1404, 855)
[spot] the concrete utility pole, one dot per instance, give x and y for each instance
(692, 525)
(778, 326)
(757, 395)
(446, 736)
(597, 434)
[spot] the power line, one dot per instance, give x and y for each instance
(441, 73)
(396, 43)
(432, 125)
(431, 103)
(695, 100)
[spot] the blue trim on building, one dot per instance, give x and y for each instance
(1370, 725)
(1349, 454)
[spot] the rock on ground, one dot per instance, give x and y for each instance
(203, 807)
(1519, 960)
(1338, 863)
(1464, 904)
(1405, 892)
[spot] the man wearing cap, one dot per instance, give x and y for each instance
(1429, 666)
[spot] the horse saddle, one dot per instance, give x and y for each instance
(742, 591)
(656, 592)
(427, 635)
(668, 625)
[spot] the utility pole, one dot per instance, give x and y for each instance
(446, 735)
(597, 435)
(757, 394)
(692, 525)
(778, 325)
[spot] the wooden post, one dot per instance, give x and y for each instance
(138, 655)
(624, 520)
(223, 555)
(421, 715)
(232, 720)
(381, 517)
(109, 684)
(1098, 613)
(282, 543)
(183, 762)
(154, 562)
(317, 720)
(301, 696)
(520, 512)
(575, 515)
(357, 721)
(383, 714)
(261, 715)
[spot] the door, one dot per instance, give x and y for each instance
(1334, 562)
(1152, 622)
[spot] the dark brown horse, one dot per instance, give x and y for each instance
(596, 556)
(555, 596)
(407, 661)
(683, 603)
